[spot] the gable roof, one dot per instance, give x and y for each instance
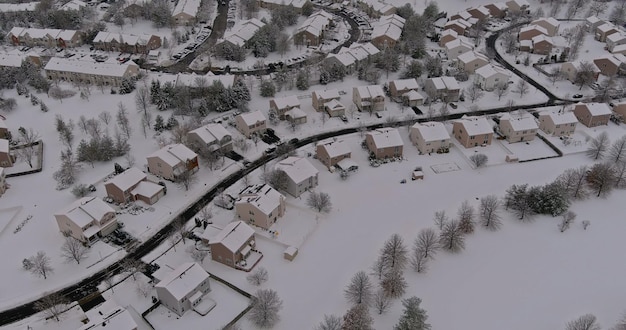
(326, 94)
(468, 57)
(108, 69)
(539, 28)
(189, 7)
(262, 196)
(432, 131)
(109, 315)
(596, 109)
(458, 43)
(549, 20)
(370, 91)
(233, 236)
(182, 280)
(86, 210)
(211, 133)
(523, 123)
(174, 154)
(128, 178)
(335, 148)
(250, 118)
(287, 102)
(298, 169)
(243, 32)
(475, 125)
(560, 117)
(296, 113)
(386, 137)
(490, 70)
(409, 83)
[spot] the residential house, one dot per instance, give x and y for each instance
(384, 143)
(280, 105)
(87, 219)
(4, 129)
(133, 185)
(214, 137)
(134, 8)
(446, 89)
(615, 39)
(369, 98)
(457, 47)
(592, 114)
(301, 174)
(378, 9)
(76, 5)
(183, 288)
(90, 72)
(470, 61)
(18, 7)
(531, 31)
(592, 22)
(518, 6)
(171, 161)
(311, 31)
(320, 97)
(190, 80)
(273, 4)
(605, 30)
(330, 152)
(3, 182)
(611, 65)
(518, 127)
(260, 205)
(571, 69)
(447, 36)
(251, 123)
(242, 32)
(472, 131)
(497, 9)
(398, 87)
(550, 24)
(295, 116)
(464, 14)
(619, 110)
(542, 44)
(6, 157)
(387, 31)
(557, 122)
(490, 76)
(619, 49)
(429, 137)
(460, 26)
(185, 12)
(350, 58)
(109, 315)
(47, 38)
(126, 43)
(233, 244)
(480, 12)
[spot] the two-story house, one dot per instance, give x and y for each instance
(557, 122)
(87, 219)
(233, 244)
(430, 137)
(518, 127)
(593, 114)
(280, 105)
(260, 205)
(369, 98)
(183, 288)
(214, 137)
(6, 158)
(472, 131)
(446, 89)
(171, 161)
(330, 152)
(384, 143)
(301, 175)
(133, 185)
(251, 123)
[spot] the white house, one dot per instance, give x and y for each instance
(183, 288)
(490, 76)
(109, 315)
(251, 123)
(87, 219)
(243, 32)
(301, 173)
(260, 205)
(471, 61)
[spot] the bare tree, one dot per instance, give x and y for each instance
(617, 153)
(379, 267)
(143, 289)
(585, 322)
(382, 302)
(419, 262)
(489, 212)
(265, 307)
(179, 132)
(330, 322)
(555, 75)
(426, 243)
(52, 305)
(451, 237)
(619, 171)
(258, 277)
(142, 99)
(27, 138)
(474, 92)
(599, 146)
(444, 110)
(41, 265)
(179, 228)
(185, 180)
(601, 179)
(522, 87)
(585, 75)
(501, 90)
(197, 255)
(393, 283)
(466, 215)
(574, 7)
(357, 318)
(519, 200)
(105, 116)
(394, 252)
(574, 182)
(122, 120)
(206, 213)
(597, 8)
(93, 128)
(440, 219)
(132, 266)
(479, 160)
(566, 220)
(319, 201)
(359, 290)
(74, 250)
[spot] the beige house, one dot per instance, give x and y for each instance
(172, 160)
(185, 12)
(446, 89)
(472, 131)
(480, 12)
(133, 185)
(233, 244)
(592, 22)
(330, 152)
(251, 123)
(281, 105)
(518, 6)
(311, 31)
(399, 87)
(6, 158)
(369, 98)
(429, 137)
(126, 43)
(273, 4)
(302, 175)
(518, 127)
(460, 26)
(296, 116)
(571, 69)
(4, 129)
(592, 114)
(620, 110)
(87, 219)
(260, 205)
(557, 122)
(490, 76)
(90, 72)
(611, 65)
(387, 31)
(615, 39)
(334, 108)
(47, 38)
(212, 136)
(542, 45)
(351, 57)
(470, 61)
(464, 14)
(605, 30)
(457, 47)
(384, 143)
(550, 24)
(3, 182)
(109, 315)
(321, 97)
(183, 288)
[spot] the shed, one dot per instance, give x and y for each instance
(290, 253)
(417, 175)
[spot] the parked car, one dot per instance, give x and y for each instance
(453, 105)
(577, 96)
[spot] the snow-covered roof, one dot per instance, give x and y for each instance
(390, 30)
(596, 109)
(615, 59)
(432, 131)
(615, 37)
(370, 91)
(296, 113)
(74, 5)
(243, 31)
(189, 7)
(578, 63)
(483, 10)
(475, 125)
(130, 39)
(128, 178)
(402, 84)
(335, 148)
(491, 70)
(386, 137)
(174, 154)
(11, 7)
(109, 69)
(549, 20)
(109, 315)
(392, 19)
(560, 117)
(539, 28)
(542, 37)
(464, 14)
(458, 43)
(368, 47)
(287, 102)
(4, 146)
(346, 59)
(468, 57)
(233, 236)
(413, 95)
(524, 122)
(298, 169)
(334, 104)
(147, 189)
(619, 48)
(211, 133)
(296, 3)
(183, 280)
(3, 124)
(458, 22)
(593, 19)
(450, 83)
(449, 32)
(262, 196)
(11, 60)
(86, 210)
(251, 118)
(606, 27)
(327, 94)
(191, 79)
(316, 23)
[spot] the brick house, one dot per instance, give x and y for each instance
(592, 114)
(369, 98)
(472, 131)
(126, 43)
(133, 185)
(320, 97)
(233, 244)
(531, 31)
(605, 30)
(571, 69)
(331, 152)
(90, 72)
(457, 47)
(550, 24)
(611, 65)
(251, 123)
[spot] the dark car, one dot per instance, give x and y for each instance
(294, 141)
(577, 96)
(453, 105)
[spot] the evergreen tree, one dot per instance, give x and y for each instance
(302, 80)
(127, 86)
(413, 317)
(267, 89)
(159, 123)
(155, 90)
(171, 123)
